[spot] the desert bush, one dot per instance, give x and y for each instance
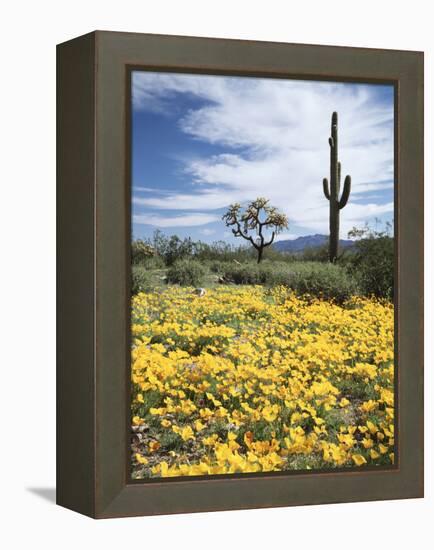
(326, 281)
(372, 264)
(315, 254)
(145, 255)
(219, 267)
(221, 251)
(318, 279)
(141, 251)
(186, 273)
(154, 262)
(246, 274)
(140, 280)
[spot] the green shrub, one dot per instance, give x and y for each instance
(322, 280)
(246, 274)
(154, 262)
(219, 267)
(315, 254)
(372, 264)
(144, 254)
(140, 251)
(141, 280)
(186, 273)
(251, 273)
(326, 281)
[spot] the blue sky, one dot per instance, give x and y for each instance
(200, 143)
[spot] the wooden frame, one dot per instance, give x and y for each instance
(93, 272)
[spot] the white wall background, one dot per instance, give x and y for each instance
(29, 32)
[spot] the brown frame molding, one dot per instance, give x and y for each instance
(93, 272)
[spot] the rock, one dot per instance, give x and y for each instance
(200, 292)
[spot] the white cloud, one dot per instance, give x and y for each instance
(363, 188)
(188, 220)
(206, 200)
(141, 189)
(207, 231)
(275, 133)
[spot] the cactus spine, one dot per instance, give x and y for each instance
(332, 193)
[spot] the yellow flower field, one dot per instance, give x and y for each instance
(249, 379)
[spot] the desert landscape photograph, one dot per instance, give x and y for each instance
(262, 275)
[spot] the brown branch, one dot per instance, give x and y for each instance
(271, 240)
(241, 234)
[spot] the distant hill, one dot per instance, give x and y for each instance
(309, 241)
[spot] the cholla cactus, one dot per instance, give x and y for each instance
(258, 216)
(332, 193)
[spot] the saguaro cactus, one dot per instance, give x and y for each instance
(332, 193)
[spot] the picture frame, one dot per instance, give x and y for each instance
(93, 281)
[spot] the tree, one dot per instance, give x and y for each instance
(258, 216)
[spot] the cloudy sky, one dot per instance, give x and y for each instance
(202, 142)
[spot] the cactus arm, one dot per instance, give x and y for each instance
(325, 186)
(345, 192)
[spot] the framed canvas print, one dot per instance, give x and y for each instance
(240, 274)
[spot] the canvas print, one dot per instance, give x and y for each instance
(262, 292)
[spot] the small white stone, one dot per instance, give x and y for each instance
(200, 292)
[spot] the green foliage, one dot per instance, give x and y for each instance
(186, 273)
(221, 251)
(141, 251)
(145, 255)
(219, 267)
(315, 254)
(172, 248)
(150, 399)
(169, 249)
(170, 441)
(323, 280)
(372, 262)
(155, 262)
(178, 249)
(141, 280)
(366, 268)
(353, 388)
(245, 274)
(326, 281)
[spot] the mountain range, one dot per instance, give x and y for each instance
(308, 241)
